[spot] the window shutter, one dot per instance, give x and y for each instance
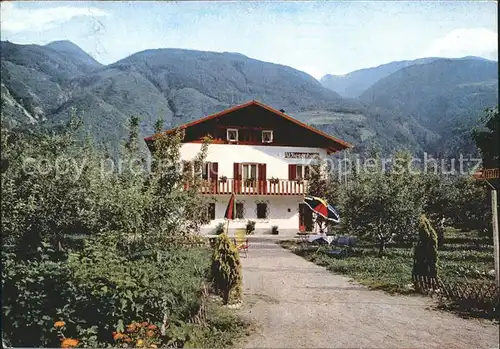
(236, 177)
(262, 178)
(214, 170)
(292, 172)
(236, 171)
(262, 172)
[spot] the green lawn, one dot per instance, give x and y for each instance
(465, 256)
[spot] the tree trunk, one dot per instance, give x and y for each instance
(440, 233)
(225, 295)
(381, 247)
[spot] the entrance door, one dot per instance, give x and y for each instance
(305, 218)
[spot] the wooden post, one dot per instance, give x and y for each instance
(485, 174)
(494, 214)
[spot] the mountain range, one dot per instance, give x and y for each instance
(412, 104)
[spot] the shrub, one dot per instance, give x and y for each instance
(274, 230)
(120, 289)
(33, 295)
(250, 227)
(219, 229)
(226, 270)
(143, 287)
(138, 335)
(425, 253)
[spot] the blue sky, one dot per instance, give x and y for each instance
(315, 37)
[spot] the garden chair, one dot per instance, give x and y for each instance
(303, 236)
(345, 243)
(241, 241)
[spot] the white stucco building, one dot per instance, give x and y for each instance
(260, 154)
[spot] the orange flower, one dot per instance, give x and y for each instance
(152, 327)
(118, 336)
(69, 343)
(150, 333)
(59, 324)
(131, 327)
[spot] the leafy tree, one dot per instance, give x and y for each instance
(487, 138)
(441, 194)
(175, 210)
(318, 184)
(471, 206)
(323, 184)
(384, 205)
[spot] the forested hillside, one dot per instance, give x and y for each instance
(49, 83)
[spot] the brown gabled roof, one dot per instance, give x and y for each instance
(254, 102)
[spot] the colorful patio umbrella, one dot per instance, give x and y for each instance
(229, 214)
(323, 208)
(230, 208)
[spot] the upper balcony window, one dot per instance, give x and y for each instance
(303, 172)
(267, 136)
(232, 135)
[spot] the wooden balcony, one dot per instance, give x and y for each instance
(256, 187)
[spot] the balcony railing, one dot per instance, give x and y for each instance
(253, 187)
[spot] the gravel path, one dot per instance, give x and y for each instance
(295, 303)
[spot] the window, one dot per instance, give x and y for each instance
(210, 212)
(267, 136)
(240, 210)
(249, 171)
(210, 170)
(232, 135)
(303, 172)
(205, 171)
(262, 210)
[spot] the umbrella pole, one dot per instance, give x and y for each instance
(227, 228)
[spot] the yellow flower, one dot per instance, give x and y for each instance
(59, 324)
(140, 343)
(69, 343)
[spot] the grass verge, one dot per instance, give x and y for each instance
(462, 258)
(224, 328)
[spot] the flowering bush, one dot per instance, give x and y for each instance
(139, 335)
(65, 342)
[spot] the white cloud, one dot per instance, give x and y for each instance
(466, 42)
(17, 19)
